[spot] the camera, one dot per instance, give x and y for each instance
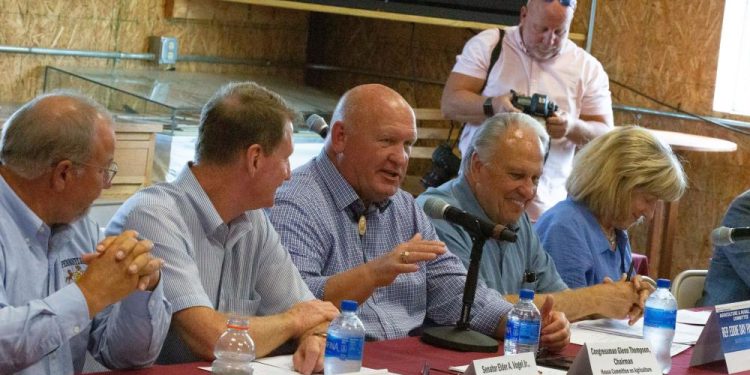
(445, 165)
(536, 105)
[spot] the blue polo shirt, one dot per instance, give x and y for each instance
(572, 236)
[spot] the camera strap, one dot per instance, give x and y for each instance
(493, 59)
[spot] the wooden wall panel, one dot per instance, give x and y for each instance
(669, 50)
(277, 37)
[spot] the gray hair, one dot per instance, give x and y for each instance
(42, 133)
(485, 140)
(239, 115)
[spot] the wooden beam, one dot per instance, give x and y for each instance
(297, 5)
(206, 10)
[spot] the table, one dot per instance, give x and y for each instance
(408, 355)
(660, 241)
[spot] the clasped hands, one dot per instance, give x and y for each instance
(625, 298)
(119, 265)
(311, 318)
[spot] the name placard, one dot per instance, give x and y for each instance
(727, 335)
(518, 364)
(614, 358)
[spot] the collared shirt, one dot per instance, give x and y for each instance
(239, 267)
(728, 278)
(44, 319)
(506, 267)
(573, 237)
(573, 79)
(313, 216)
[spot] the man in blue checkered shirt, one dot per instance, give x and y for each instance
(353, 234)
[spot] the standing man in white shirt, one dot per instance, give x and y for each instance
(536, 58)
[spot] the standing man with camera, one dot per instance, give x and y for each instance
(535, 57)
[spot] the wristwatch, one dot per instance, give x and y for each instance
(488, 110)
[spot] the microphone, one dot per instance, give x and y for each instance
(317, 124)
(723, 236)
(437, 208)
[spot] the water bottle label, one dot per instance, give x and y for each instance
(524, 332)
(660, 318)
(344, 348)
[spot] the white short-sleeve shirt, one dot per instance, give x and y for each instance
(573, 79)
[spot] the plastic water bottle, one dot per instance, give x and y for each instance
(524, 323)
(346, 339)
(659, 320)
(235, 350)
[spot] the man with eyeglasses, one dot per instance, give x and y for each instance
(223, 256)
(536, 57)
(62, 291)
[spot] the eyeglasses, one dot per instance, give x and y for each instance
(109, 171)
(566, 3)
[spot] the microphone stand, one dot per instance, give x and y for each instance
(462, 337)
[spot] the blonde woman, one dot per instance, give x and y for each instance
(616, 181)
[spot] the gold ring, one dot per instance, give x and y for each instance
(404, 257)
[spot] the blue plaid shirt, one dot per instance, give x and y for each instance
(316, 216)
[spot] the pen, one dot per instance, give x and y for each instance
(630, 271)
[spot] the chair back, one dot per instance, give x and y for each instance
(687, 287)
(649, 280)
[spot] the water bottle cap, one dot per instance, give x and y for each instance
(663, 283)
(348, 305)
(527, 294)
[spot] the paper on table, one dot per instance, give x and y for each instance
(284, 365)
(262, 368)
(684, 333)
(581, 336)
(693, 317)
(541, 369)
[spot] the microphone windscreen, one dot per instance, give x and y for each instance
(435, 207)
(316, 123)
(722, 236)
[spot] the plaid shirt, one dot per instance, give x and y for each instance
(316, 214)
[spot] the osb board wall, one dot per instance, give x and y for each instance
(669, 50)
(274, 35)
(418, 56)
(665, 48)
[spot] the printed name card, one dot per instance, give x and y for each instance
(614, 358)
(518, 364)
(727, 336)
